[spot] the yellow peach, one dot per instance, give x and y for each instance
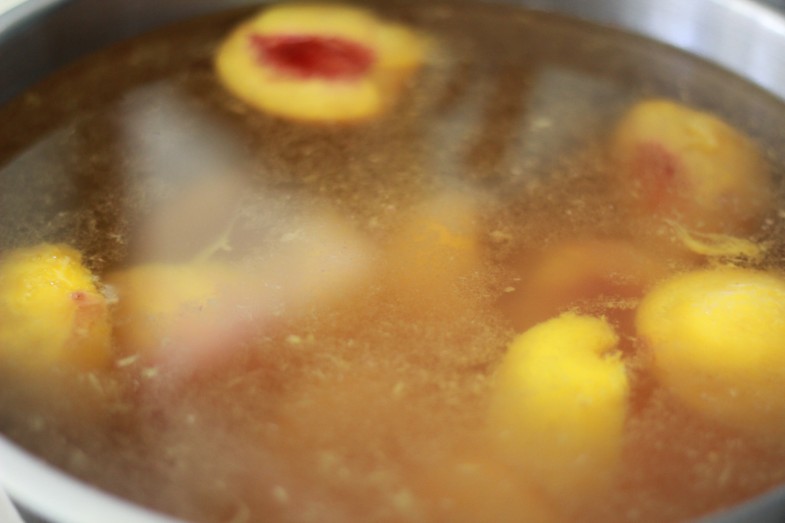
(51, 310)
(195, 313)
(717, 338)
(559, 404)
(679, 163)
(320, 63)
(169, 311)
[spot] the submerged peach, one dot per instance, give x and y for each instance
(679, 163)
(435, 251)
(165, 310)
(571, 273)
(195, 313)
(717, 338)
(51, 309)
(318, 62)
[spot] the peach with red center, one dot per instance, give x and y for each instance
(319, 63)
(678, 163)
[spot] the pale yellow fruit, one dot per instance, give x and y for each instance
(679, 163)
(559, 404)
(166, 309)
(51, 310)
(717, 338)
(333, 63)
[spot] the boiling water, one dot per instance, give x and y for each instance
(359, 410)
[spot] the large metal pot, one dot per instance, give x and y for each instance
(38, 36)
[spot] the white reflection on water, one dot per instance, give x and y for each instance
(187, 171)
(258, 254)
(516, 129)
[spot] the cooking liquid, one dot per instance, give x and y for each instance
(363, 409)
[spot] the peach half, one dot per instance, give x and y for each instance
(678, 163)
(173, 310)
(717, 340)
(559, 404)
(318, 63)
(51, 310)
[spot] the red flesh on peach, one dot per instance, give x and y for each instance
(656, 169)
(311, 56)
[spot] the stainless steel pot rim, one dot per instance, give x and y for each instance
(12, 12)
(67, 500)
(743, 36)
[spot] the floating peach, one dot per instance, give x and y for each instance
(679, 163)
(559, 404)
(51, 310)
(717, 338)
(322, 63)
